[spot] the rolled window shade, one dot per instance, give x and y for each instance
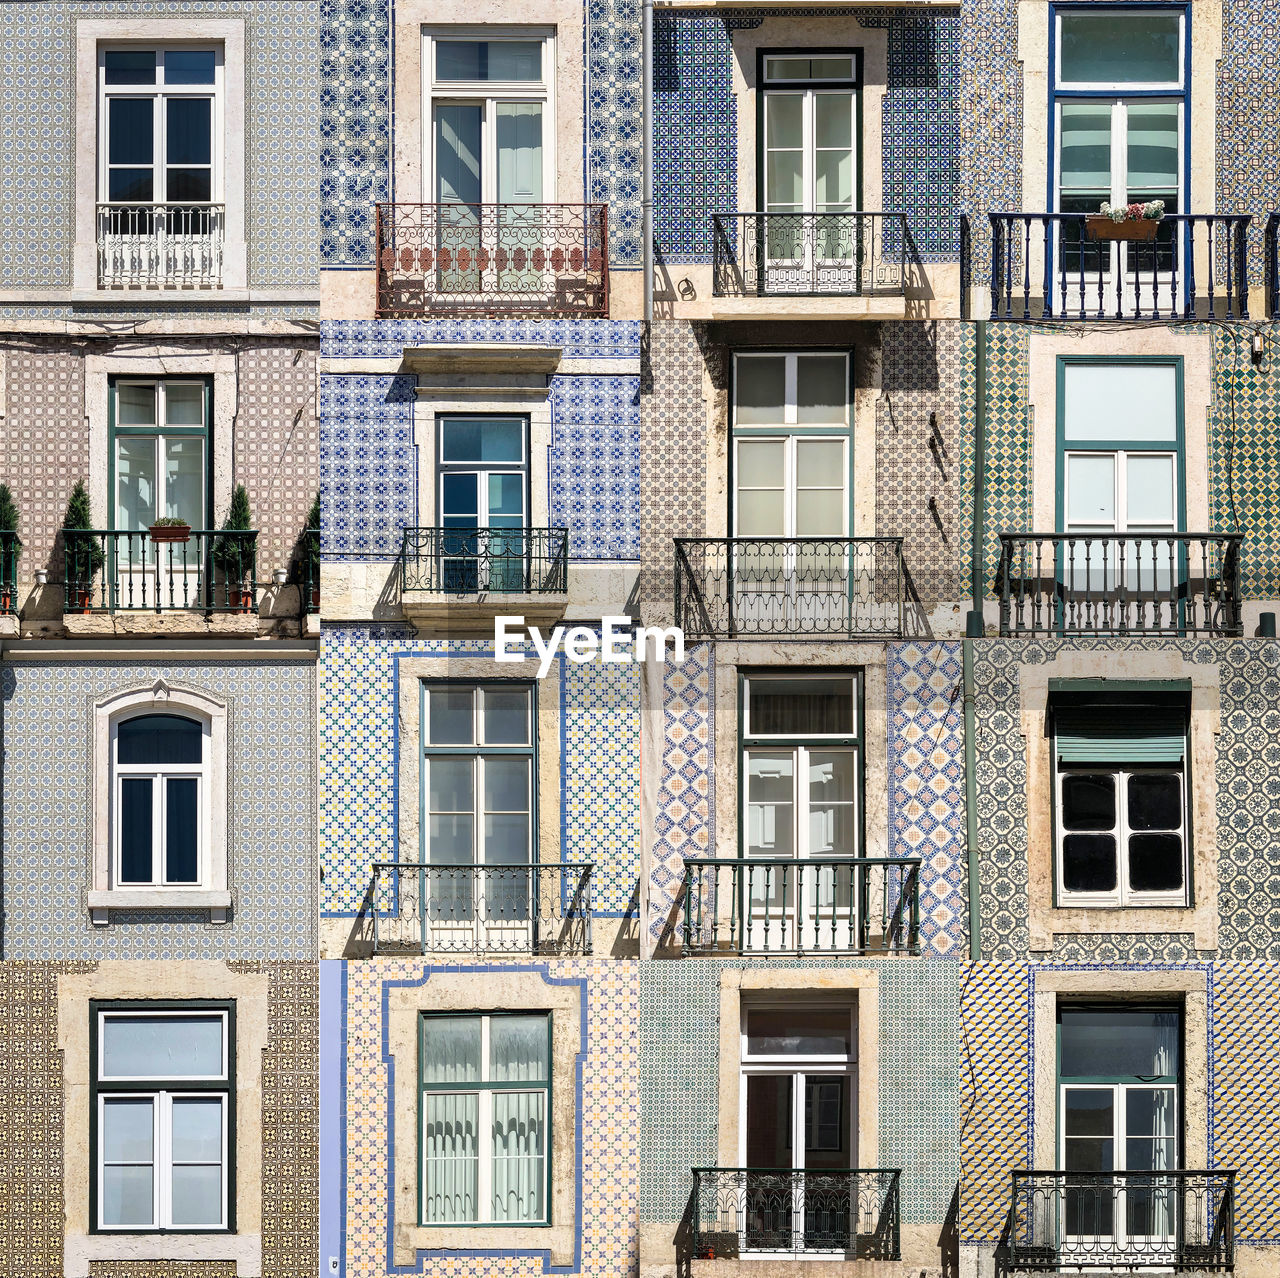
(1132, 733)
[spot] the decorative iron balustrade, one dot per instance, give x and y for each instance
(854, 1214)
(809, 254)
(1046, 266)
(966, 265)
(492, 259)
(846, 905)
(491, 909)
(1271, 252)
(1120, 584)
(209, 571)
(310, 570)
(10, 549)
(471, 561)
(160, 245)
(1173, 1220)
(730, 587)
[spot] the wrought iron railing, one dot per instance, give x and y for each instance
(728, 587)
(10, 549)
(160, 245)
(511, 909)
(1171, 1220)
(463, 259)
(1046, 266)
(847, 905)
(210, 571)
(809, 254)
(1107, 584)
(851, 1213)
(1271, 251)
(469, 561)
(309, 573)
(966, 265)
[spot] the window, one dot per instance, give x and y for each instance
(485, 1108)
(160, 764)
(162, 1107)
(159, 446)
(1121, 803)
(1119, 1078)
(801, 779)
(478, 810)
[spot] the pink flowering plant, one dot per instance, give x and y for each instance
(1152, 211)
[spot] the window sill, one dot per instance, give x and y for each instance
(101, 904)
(82, 1251)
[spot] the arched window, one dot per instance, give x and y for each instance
(160, 765)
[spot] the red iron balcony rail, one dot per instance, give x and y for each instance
(492, 259)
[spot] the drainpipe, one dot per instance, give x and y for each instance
(646, 153)
(974, 630)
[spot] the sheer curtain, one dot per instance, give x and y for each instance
(450, 1054)
(518, 1054)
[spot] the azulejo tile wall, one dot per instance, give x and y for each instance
(48, 730)
(606, 1145)
(599, 797)
(358, 130)
(1247, 808)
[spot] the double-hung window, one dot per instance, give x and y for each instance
(160, 219)
(162, 1106)
(1121, 810)
(485, 1114)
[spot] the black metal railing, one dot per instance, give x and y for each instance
(1173, 1220)
(850, 1212)
(846, 905)
(1046, 266)
(210, 570)
(469, 561)
(809, 254)
(10, 549)
(1113, 584)
(511, 909)
(1271, 252)
(966, 265)
(498, 259)
(309, 574)
(727, 587)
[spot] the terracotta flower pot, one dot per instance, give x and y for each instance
(1140, 230)
(315, 597)
(170, 532)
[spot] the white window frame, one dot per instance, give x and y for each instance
(1108, 87)
(162, 1098)
(1121, 524)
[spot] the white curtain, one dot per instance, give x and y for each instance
(450, 1157)
(519, 1155)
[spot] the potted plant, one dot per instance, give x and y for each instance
(10, 545)
(81, 552)
(234, 555)
(168, 528)
(311, 554)
(1132, 222)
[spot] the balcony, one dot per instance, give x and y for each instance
(492, 259)
(1100, 584)
(467, 575)
(1177, 1221)
(849, 905)
(309, 571)
(10, 549)
(479, 909)
(836, 1213)
(857, 261)
(744, 587)
(160, 246)
(1047, 266)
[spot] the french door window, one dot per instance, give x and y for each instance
(162, 1115)
(160, 446)
(799, 1097)
(485, 1113)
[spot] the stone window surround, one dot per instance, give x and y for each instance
(859, 986)
(92, 32)
(412, 672)
(190, 979)
(1046, 921)
(473, 991)
(1054, 985)
(735, 658)
(214, 895)
(564, 82)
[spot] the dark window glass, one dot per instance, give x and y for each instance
(1089, 863)
(800, 707)
(1120, 1043)
(189, 186)
(798, 1031)
(189, 135)
(181, 820)
(475, 439)
(159, 739)
(131, 186)
(135, 830)
(1155, 862)
(129, 66)
(130, 131)
(189, 66)
(1088, 802)
(1155, 802)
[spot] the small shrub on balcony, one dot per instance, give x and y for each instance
(82, 553)
(234, 555)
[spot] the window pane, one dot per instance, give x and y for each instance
(188, 186)
(1154, 147)
(506, 502)
(833, 188)
(159, 739)
(135, 482)
(518, 1135)
(128, 1196)
(181, 834)
(1120, 48)
(1155, 801)
(1089, 1112)
(450, 785)
(1149, 491)
(833, 121)
(460, 499)
(506, 842)
(761, 513)
(800, 707)
(1089, 863)
(820, 513)
(450, 1049)
(129, 66)
(784, 121)
(831, 807)
(519, 139)
(197, 1129)
(1155, 862)
(1091, 490)
(458, 130)
(1121, 1043)
(128, 1127)
(770, 804)
(189, 66)
(1085, 151)
(449, 716)
(197, 1196)
(760, 385)
(506, 60)
(798, 1031)
(184, 404)
(464, 439)
(135, 830)
(820, 463)
(130, 186)
(760, 463)
(162, 1046)
(189, 131)
(506, 716)
(506, 785)
(135, 405)
(1089, 802)
(1128, 401)
(450, 1156)
(184, 480)
(518, 1049)
(130, 132)
(784, 188)
(822, 389)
